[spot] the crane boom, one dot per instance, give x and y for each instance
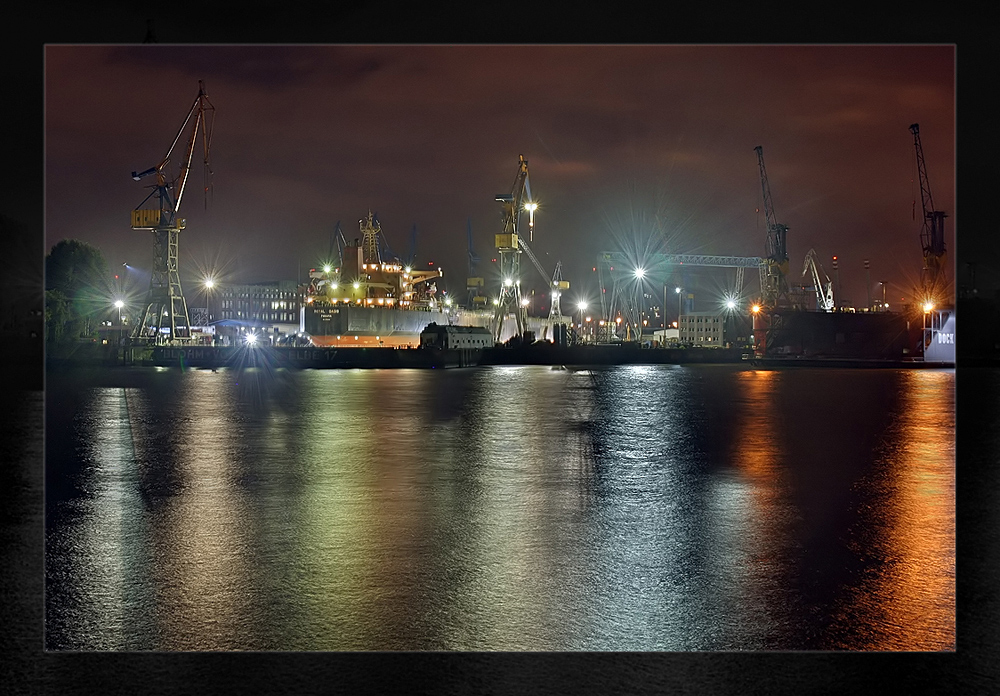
(824, 290)
(531, 255)
(203, 113)
(932, 229)
(512, 202)
(775, 283)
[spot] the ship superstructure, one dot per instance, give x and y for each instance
(369, 300)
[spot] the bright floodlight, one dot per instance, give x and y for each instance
(755, 309)
(251, 338)
(326, 268)
(408, 269)
(677, 290)
(730, 304)
(928, 306)
(640, 272)
(524, 302)
(582, 306)
(209, 283)
(119, 304)
(508, 282)
(357, 285)
(530, 207)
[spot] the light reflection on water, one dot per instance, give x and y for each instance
(511, 508)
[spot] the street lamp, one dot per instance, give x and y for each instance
(583, 307)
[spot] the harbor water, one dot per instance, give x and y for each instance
(513, 508)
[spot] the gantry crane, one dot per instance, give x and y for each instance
(774, 282)
(509, 253)
(824, 288)
(932, 276)
(166, 317)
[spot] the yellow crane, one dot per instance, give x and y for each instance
(165, 318)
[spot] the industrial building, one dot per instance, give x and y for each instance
(703, 329)
(452, 337)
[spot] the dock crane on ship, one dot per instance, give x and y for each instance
(165, 317)
(824, 288)
(932, 276)
(509, 301)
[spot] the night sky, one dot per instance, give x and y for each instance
(624, 143)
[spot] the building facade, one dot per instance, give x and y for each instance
(703, 329)
(451, 337)
(272, 308)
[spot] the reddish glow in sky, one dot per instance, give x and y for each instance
(623, 143)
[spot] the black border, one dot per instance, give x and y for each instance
(970, 670)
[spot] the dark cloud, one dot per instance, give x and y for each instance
(259, 67)
(426, 135)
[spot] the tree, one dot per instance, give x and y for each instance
(77, 289)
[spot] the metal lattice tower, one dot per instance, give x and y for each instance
(166, 307)
(165, 318)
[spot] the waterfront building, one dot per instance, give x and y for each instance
(272, 308)
(703, 329)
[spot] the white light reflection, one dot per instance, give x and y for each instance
(110, 562)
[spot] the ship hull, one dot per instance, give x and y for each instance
(271, 357)
(805, 335)
(344, 326)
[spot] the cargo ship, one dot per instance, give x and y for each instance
(371, 302)
(844, 337)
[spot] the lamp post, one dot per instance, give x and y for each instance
(679, 300)
(664, 311)
(639, 273)
(582, 306)
(119, 304)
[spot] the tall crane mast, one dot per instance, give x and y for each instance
(775, 283)
(932, 276)
(474, 283)
(509, 253)
(557, 287)
(166, 315)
